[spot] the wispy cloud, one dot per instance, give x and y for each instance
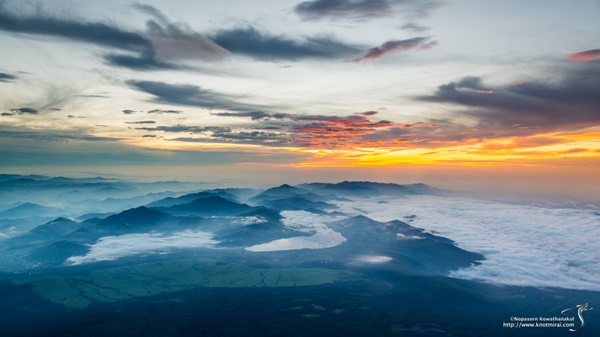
(88, 32)
(95, 33)
(141, 122)
(142, 61)
(321, 131)
(585, 56)
(162, 111)
(256, 115)
(413, 27)
(222, 134)
(398, 46)
(177, 41)
(368, 113)
(191, 95)
(187, 128)
(4, 77)
(157, 48)
(261, 45)
(21, 111)
(363, 9)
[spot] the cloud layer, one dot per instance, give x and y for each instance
(304, 222)
(114, 247)
(326, 238)
(398, 46)
(523, 245)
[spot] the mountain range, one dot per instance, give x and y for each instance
(253, 225)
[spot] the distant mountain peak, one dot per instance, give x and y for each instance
(140, 210)
(208, 206)
(138, 215)
(61, 219)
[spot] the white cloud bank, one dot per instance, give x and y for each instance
(323, 238)
(306, 222)
(370, 259)
(524, 245)
(114, 247)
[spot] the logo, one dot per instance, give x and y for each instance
(580, 309)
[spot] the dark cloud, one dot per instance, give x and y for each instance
(141, 122)
(128, 112)
(6, 114)
(260, 115)
(350, 131)
(242, 137)
(393, 47)
(4, 77)
(255, 115)
(312, 130)
(363, 9)
(163, 42)
(89, 32)
(414, 27)
(318, 9)
(264, 46)
(149, 136)
(191, 95)
(246, 135)
(188, 129)
(21, 111)
(141, 61)
(55, 109)
(466, 84)
(568, 101)
(94, 96)
(220, 134)
(161, 111)
(290, 130)
(367, 113)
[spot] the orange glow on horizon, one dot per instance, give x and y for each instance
(551, 149)
(340, 148)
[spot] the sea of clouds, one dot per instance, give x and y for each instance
(523, 245)
(114, 247)
(305, 222)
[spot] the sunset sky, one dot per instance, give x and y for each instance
(462, 94)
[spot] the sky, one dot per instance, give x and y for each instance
(479, 95)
